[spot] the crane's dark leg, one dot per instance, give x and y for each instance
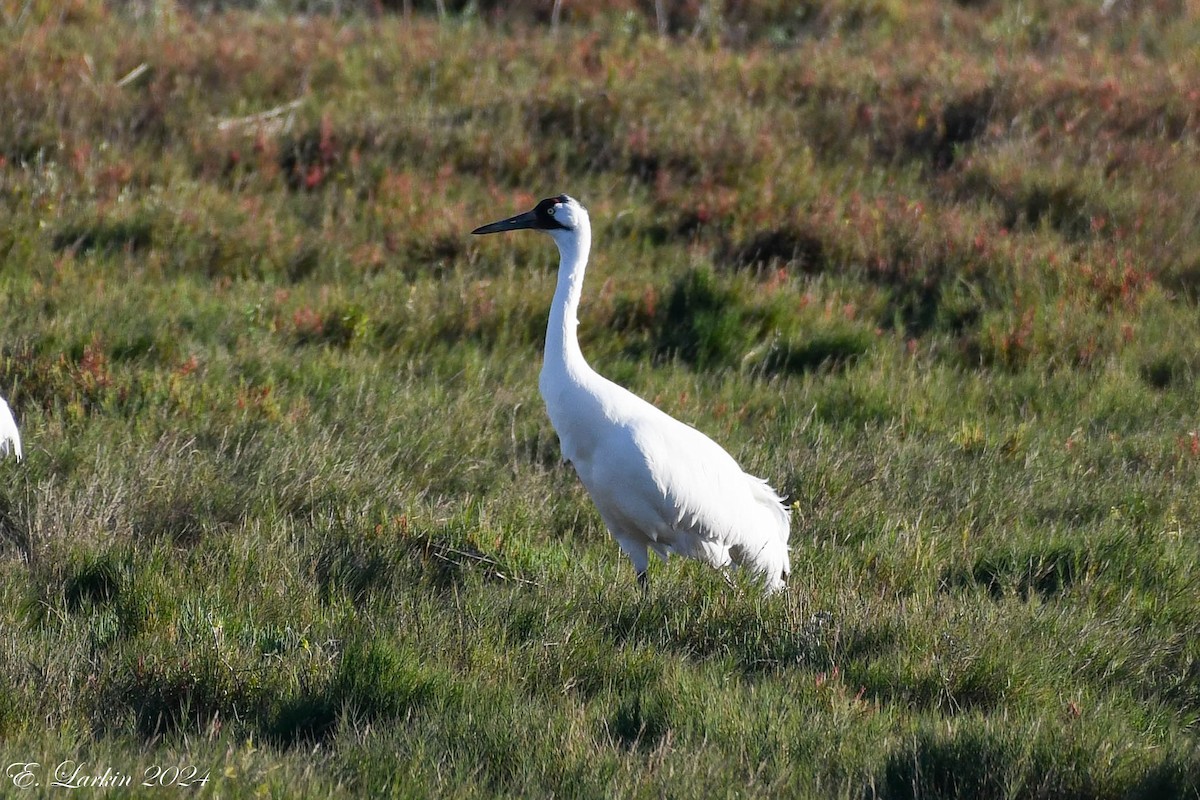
(634, 548)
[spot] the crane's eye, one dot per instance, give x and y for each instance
(551, 210)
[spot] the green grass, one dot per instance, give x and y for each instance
(292, 513)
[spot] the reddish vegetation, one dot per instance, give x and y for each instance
(962, 188)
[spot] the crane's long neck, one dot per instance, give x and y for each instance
(562, 342)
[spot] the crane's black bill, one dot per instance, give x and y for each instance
(518, 223)
(541, 218)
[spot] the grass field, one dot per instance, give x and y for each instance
(292, 518)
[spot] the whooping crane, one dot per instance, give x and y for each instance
(658, 483)
(10, 437)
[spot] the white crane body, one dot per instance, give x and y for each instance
(10, 436)
(658, 483)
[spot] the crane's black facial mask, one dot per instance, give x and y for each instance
(541, 218)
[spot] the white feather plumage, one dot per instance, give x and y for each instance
(10, 436)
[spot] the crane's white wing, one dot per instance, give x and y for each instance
(10, 437)
(660, 483)
(704, 494)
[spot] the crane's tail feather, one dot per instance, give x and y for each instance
(769, 561)
(768, 557)
(769, 499)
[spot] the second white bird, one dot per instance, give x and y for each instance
(10, 436)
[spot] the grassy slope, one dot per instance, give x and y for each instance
(292, 512)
